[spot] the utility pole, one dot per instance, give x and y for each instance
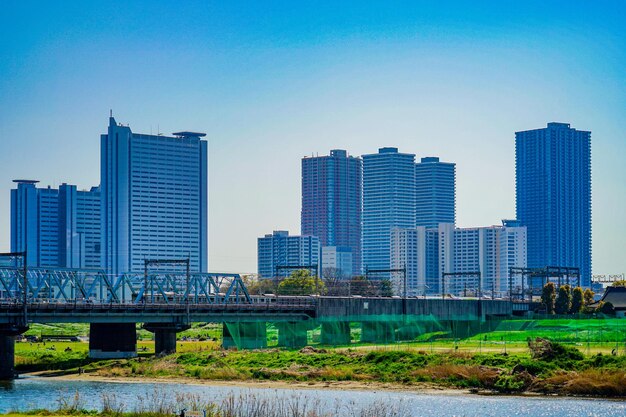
(187, 289)
(25, 288)
(145, 281)
(443, 286)
(404, 273)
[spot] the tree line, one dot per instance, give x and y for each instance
(566, 300)
(302, 282)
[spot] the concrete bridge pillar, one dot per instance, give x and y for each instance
(164, 341)
(165, 336)
(292, 334)
(377, 332)
(245, 335)
(112, 340)
(336, 333)
(7, 350)
(7, 356)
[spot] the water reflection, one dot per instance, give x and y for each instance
(7, 385)
(30, 393)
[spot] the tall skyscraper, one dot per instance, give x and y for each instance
(280, 249)
(331, 202)
(553, 196)
(434, 192)
(388, 202)
(56, 227)
(154, 198)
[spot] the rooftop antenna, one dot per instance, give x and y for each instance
(110, 112)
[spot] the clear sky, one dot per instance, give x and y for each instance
(270, 82)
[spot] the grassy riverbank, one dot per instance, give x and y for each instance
(565, 370)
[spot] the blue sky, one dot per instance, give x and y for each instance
(272, 82)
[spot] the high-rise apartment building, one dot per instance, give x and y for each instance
(490, 250)
(281, 250)
(435, 196)
(428, 253)
(56, 227)
(553, 196)
(154, 198)
(388, 202)
(331, 202)
(409, 250)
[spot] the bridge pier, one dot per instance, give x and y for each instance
(112, 340)
(244, 335)
(7, 350)
(336, 333)
(292, 334)
(165, 336)
(377, 332)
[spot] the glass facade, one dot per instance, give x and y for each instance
(154, 199)
(388, 202)
(553, 196)
(331, 202)
(56, 227)
(281, 250)
(337, 262)
(435, 194)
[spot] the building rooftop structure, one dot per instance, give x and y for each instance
(186, 134)
(26, 181)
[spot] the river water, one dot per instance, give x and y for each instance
(30, 393)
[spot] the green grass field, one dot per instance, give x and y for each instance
(568, 371)
(590, 358)
(590, 335)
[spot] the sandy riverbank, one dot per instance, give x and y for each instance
(423, 388)
(416, 388)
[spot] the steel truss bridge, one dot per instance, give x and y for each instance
(172, 299)
(165, 292)
(61, 285)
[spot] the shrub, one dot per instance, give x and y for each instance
(607, 308)
(512, 383)
(596, 382)
(546, 350)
